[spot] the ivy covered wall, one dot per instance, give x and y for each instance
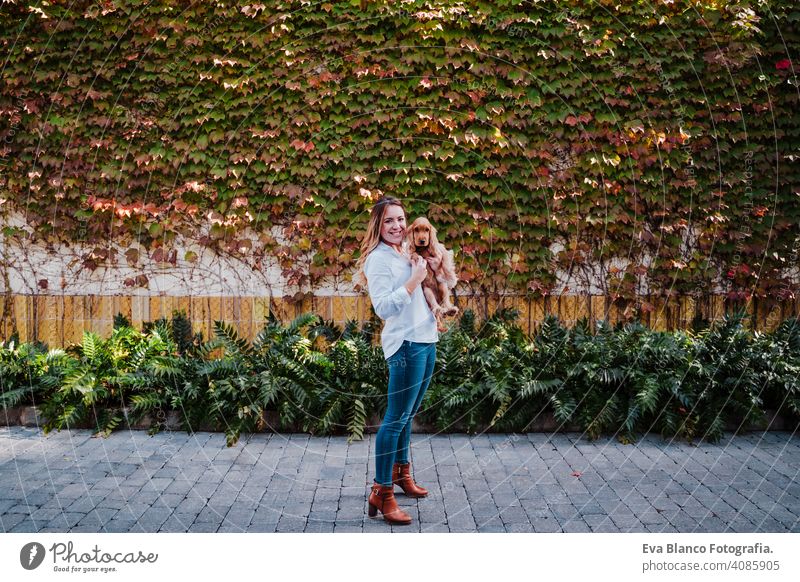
(652, 145)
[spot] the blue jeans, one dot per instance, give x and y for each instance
(410, 372)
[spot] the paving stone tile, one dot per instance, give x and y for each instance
(485, 483)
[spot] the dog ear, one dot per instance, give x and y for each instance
(450, 265)
(449, 268)
(434, 242)
(410, 236)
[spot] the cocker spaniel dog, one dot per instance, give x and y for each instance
(422, 241)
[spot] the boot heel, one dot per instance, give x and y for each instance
(388, 506)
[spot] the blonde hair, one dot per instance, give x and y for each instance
(373, 237)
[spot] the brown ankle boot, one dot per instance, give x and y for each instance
(401, 475)
(382, 498)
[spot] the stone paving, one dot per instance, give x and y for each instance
(70, 481)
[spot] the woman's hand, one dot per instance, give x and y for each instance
(419, 270)
(434, 262)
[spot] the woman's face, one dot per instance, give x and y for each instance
(393, 228)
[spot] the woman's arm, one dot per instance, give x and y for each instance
(386, 300)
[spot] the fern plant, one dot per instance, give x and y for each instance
(156, 372)
(178, 329)
(654, 366)
(231, 389)
(594, 381)
(322, 379)
(29, 372)
(287, 353)
(776, 360)
(590, 380)
(452, 390)
(115, 380)
(474, 379)
(581, 374)
(92, 383)
(511, 381)
(353, 386)
(279, 369)
(550, 353)
(721, 375)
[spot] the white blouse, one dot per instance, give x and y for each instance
(406, 317)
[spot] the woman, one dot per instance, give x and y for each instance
(408, 339)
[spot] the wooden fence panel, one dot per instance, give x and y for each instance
(60, 320)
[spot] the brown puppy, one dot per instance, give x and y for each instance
(422, 241)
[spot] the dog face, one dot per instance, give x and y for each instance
(421, 233)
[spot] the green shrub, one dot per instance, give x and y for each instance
(776, 359)
(354, 385)
(723, 384)
(29, 372)
(323, 379)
